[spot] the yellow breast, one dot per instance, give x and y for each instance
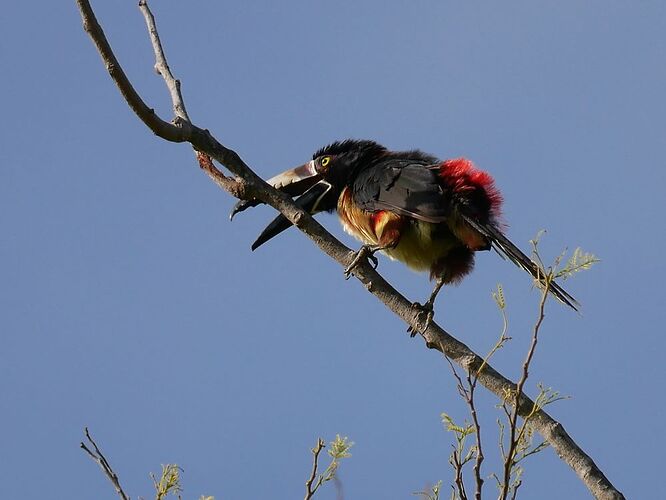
(415, 245)
(418, 249)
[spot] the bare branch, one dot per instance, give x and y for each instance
(456, 461)
(466, 391)
(161, 65)
(510, 458)
(309, 490)
(515, 490)
(255, 187)
(101, 460)
(161, 128)
(478, 480)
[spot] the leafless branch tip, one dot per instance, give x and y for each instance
(101, 460)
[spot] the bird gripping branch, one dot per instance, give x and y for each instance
(431, 215)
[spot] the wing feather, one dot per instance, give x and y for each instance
(405, 187)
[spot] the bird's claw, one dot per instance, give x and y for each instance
(427, 309)
(365, 252)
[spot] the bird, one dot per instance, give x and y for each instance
(430, 214)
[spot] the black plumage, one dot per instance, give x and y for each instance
(430, 214)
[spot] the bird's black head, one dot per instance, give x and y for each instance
(339, 161)
(320, 181)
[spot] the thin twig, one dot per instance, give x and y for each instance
(458, 467)
(309, 490)
(510, 459)
(434, 336)
(101, 460)
(478, 480)
(161, 65)
(467, 393)
(515, 490)
(455, 459)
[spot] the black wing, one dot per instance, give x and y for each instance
(403, 186)
(413, 189)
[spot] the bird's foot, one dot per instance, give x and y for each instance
(426, 309)
(242, 205)
(365, 252)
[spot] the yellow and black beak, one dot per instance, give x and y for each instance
(314, 195)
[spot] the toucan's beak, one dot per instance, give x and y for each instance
(311, 201)
(297, 180)
(294, 182)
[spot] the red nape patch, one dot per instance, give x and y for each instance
(463, 176)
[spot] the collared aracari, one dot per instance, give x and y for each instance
(432, 215)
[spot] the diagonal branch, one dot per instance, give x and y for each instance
(98, 457)
(248, 185)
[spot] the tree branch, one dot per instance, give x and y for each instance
(98, 457)
(161, 128)
(309, 490)
(478, 480)
(510, 458)
(161, 65)
(182, 130)
(467, 393)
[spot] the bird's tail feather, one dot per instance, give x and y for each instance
(507, 249)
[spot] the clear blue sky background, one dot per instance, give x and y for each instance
(130, 304)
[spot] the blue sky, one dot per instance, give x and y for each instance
(130, 304)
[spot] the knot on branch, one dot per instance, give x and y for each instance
(182, 123)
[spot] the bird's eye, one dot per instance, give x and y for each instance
(325, 161)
